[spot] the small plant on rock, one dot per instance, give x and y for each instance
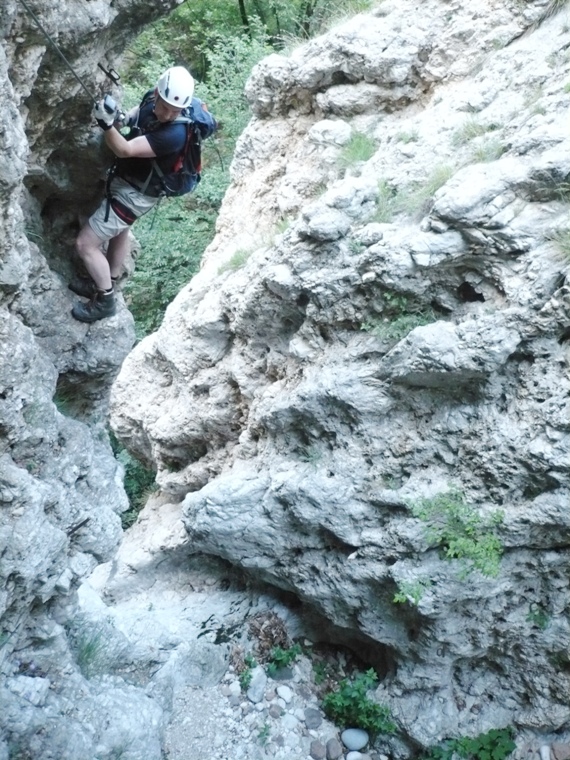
(399, 317)
(496, 744)
(487, 151)
(461, 532)
(415, 199)
(468, 131)
(245, 674)
(561, 239)
(237, 261)
(360, 147)
(91, 650)
(264, 734)
(411, 592)
(537, 616)
(387, 203)
(408, 137)
(350, 706)
(281, 658)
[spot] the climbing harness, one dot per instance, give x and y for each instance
(111, 73)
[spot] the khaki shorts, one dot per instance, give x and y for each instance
(128, 196)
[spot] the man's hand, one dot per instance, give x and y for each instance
(105, 113)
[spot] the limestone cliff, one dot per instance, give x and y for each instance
(61, 489)
(364, 338)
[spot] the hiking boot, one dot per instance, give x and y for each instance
(83, 286)
(102, 305)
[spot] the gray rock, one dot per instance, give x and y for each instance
(282, 674)
(276, 711)
(325, 224)
(258, 684)
(561, 751)
(334, 749)
(318, 750)
(313, 718)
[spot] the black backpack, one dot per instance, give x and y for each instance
(185, 174)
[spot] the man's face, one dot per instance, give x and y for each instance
(165, 112)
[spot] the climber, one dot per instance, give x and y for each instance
(133, 188)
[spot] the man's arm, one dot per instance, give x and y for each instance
(139, 147)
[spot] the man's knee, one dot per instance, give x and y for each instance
(86, 242)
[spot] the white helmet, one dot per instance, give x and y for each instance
(176, 87)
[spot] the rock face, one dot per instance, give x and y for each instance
(61, 488)
(404, 339)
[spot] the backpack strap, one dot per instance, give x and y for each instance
(184, 153)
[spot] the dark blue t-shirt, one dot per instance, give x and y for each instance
(167, 140)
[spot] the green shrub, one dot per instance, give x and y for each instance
(399, 327)
(415, 199)
(320, 672)
(496, 744)
(91, 648)
(139, 482)
(246, 672)
(281, 658)
(360, 147)
(408, 137)
(350, 706)
(537, 616)
(561, 240)
(411, 592)
(468, 131)
(399, 317)
(387, 202)
(462, 534)
(264, 734)
(486, 151)
(236, 261)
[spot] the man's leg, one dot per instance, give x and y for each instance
(102, 304)
(117, 252)
(88, 246)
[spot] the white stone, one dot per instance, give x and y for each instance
(354, 738)
(285, 693)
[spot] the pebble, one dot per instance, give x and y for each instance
(290, 722)
(285, 693)
(234, 689)
(354, 738)
(334, 749)
(313, 718)
(258, 684)
(353, 755)
(559, 750)
(318, 750)
(291, 740)
(275, 711)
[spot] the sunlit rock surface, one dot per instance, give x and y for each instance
(397, 329)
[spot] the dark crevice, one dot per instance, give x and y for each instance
(467, 292)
